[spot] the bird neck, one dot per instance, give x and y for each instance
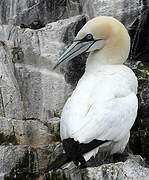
(100, 58)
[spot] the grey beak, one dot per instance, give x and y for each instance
(74, 50)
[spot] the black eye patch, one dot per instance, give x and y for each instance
(88, 37)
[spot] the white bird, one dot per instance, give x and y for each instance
(103, 106)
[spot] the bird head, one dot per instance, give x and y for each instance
(103, 35)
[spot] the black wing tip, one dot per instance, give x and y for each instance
(60, 161)
(63, 158)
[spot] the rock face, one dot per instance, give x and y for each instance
(125, 11)
(32, 95)
(11, 105)
(139, 34)
(40, 92)
(130, 169)
(140, 132)
(25, 162)
(26, 12)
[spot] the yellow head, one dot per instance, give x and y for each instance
(103, 36)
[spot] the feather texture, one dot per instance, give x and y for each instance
(103, 106)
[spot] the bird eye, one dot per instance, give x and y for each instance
(89, 37)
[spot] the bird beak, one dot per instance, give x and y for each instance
(74, 50)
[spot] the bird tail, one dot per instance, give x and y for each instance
(68, 157)
(60, 161)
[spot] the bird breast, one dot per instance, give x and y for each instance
(107, 83)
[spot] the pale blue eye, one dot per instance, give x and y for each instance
(89, 36)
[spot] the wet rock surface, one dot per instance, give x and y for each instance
(30, 56)
(130, 169)
(139, 142)
(139, 35)
(125, 11)
(25, 162)
(32, 95)
(28, 11)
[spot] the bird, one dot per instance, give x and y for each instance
(103, 107)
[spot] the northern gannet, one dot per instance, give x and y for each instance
(103, 106)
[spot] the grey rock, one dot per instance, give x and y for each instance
(74, 7)
(139, 141)
(41, 92)
(41, 50)
(139, 36)
(25, 12)
(25, 162)
(130, 169)
(30, 162)
(54, 126)
(29, 81)
(125, 11)
(44, 155)
(32, 132)
(7, 134)
(9, 156)
(121, 171)
(11, 105)
(29, 132)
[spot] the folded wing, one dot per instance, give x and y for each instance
(110, 120)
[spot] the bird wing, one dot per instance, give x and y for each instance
(103, 106)
(110, 120)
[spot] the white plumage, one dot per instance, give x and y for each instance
(104, 104)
